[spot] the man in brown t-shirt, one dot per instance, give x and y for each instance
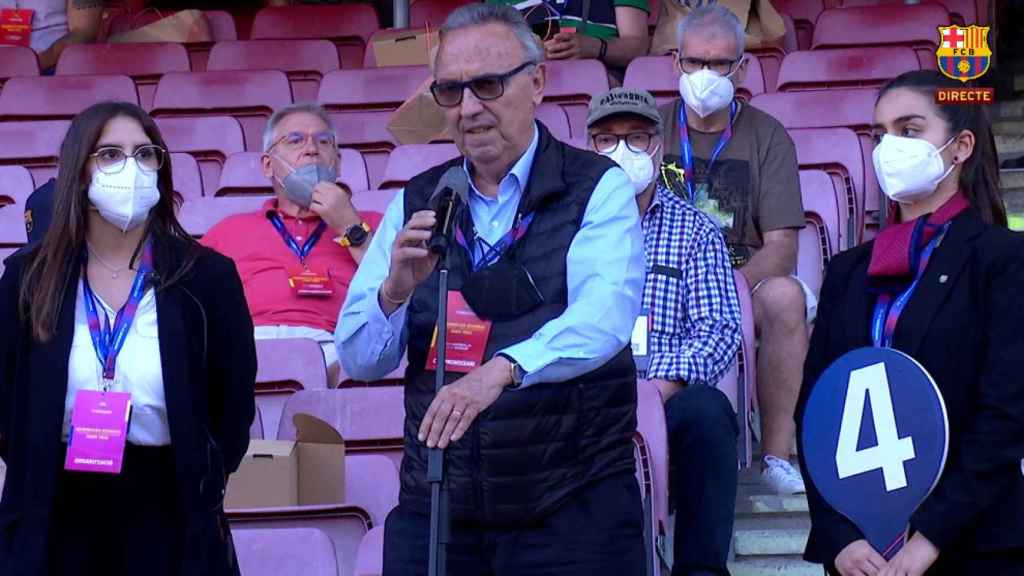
(739, 166)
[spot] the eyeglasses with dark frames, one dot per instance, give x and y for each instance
(111, 159)
(721, 66)
(486, 87)
(606, 142)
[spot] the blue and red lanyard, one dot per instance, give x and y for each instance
(106, 340)
(686, 149)
(887, 309)
(490, 253)
(301, 252)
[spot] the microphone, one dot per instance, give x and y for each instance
(450, 193)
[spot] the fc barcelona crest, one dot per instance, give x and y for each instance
(963, 52)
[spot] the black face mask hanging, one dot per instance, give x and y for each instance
(502, 291)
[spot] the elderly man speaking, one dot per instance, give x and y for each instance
(546, 272)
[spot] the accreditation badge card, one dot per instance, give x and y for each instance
(99, 429)
(640, 341)
(466, 337)
(311, 284)
(16, 26)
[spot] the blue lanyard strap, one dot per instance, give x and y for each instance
(108, 341)
(492, 252)
(686, 149)
(300, 252)
(887, 309)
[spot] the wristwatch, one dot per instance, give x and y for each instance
(515, 371)
(355, 236)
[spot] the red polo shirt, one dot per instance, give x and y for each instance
(265, 264)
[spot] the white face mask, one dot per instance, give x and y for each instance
(637, 165)
(909, 169)
(706, 92)
(125, 199)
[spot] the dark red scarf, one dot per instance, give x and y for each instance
(891, 254)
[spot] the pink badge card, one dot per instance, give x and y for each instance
(99, 429)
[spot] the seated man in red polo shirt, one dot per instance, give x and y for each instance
(298, 253)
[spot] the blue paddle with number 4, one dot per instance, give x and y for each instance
(875, 436)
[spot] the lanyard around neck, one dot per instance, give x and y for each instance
(301, 252)
(686, 149)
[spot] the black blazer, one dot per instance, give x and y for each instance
(209, 369)
(967, 330)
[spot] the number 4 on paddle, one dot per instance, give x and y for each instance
(890, 451)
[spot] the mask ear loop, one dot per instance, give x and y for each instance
(952, 165)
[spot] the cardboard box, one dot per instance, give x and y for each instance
(275, 473)
(405, 47)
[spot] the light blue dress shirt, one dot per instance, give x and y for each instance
(605, 277)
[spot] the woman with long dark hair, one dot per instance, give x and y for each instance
(127, 367)
(947, 254)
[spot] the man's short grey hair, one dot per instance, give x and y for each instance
(716, 18)
(481, 14)
(282, 113)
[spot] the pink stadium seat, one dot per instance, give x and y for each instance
(747, 369)
(285, 552)
(61, 97)
(804, 14)
(961, 11)
(15, 186)
(17, 61)
(409, 160)
(187, 180)
(221, 23)
(209, 139)
(553, 117)
(144, 63)
(845, 67)
(823, 204)
(913, 25)
(377, 201)
(651, 448)
(770, 58)
(304, 61)
(571, 84)
(286, 365)
(659, 76)
(349, 26)
(370, 559)
(243, 174)
(249, 96)
(197, 215)
(432, 13)
(34, 145)
(810, 264)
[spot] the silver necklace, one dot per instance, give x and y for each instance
(114, 271)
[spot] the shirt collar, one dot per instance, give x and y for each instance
(271, 206)
(664, 195)
(517, 177)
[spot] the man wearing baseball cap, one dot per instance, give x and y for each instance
(692, 312)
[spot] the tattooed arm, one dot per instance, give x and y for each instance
(84, 18)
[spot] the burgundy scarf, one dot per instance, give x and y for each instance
(891, 254)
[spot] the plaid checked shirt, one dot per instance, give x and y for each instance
(690, 293)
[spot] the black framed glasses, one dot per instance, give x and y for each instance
(606, 142)
(721, 66)
(111, 159)
(486, 87)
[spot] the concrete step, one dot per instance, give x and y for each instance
(771, 536)
(770, 504)
(776, 566)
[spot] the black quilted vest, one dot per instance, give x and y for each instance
(536, 446)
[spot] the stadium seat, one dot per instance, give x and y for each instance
(284, 552)
(659, 76)
(15, 185)
(348, 26)
(221, 23)
(770, 57)
(810, 262)
(210, 140)
(249, 96)
(34, 145)
(409, 160)
(17, 61)
(553, 117)
(370, 558)
(243, 174)
(961, 11)
(432, 13)
(913, 25)
(845, 67)
(187, 180)
(376, 201)
(61, 97)
(304, 61)
(144, 63)
(197, 215)
(571, 84)
(824, 205)
(651, 449)
(804, 14)
(285, 366)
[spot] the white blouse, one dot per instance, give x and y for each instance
(139, 371)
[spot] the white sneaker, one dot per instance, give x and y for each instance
(782, 477)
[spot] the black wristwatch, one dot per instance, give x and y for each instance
(355, 236)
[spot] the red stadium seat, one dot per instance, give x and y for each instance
(34, 145)
(286, 365)
(432, 13)
(197, 215)
(409, 160)
(376, 201)
(804, 14)
(249, 96)
(221, 23)
(144, 63)
(845, 67)
(15, 185)
(370, 559)
(554, 118)
(824, 205)
(651, 448)
(810, 260)
(304, 61)
(17, 61)
(187, 180)
(60, 97)
(747, 368)
(961, 11)
(659, 76)
(243, 174)
(571, 84)
(913, 25)
(285, 552)
(210, 140)
(349, 26)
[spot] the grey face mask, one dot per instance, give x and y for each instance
(299, 183)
